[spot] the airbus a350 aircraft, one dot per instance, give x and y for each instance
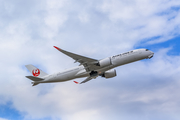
(90, 68)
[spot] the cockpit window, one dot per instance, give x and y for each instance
(147, 50)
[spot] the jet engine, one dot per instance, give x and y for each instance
(104, 62)
(109, 74)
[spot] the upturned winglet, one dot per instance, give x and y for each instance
(57, 48)
(76, 82)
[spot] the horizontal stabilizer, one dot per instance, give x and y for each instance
(35, 84)
(35, 78)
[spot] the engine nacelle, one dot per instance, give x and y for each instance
(104, 62)
(109, 74)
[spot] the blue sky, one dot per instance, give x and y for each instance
(172, 43)
(146, 89)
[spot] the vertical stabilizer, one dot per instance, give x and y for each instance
(35, 71)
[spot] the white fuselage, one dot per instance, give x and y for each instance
(80, 71)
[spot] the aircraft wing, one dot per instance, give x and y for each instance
(86, 80)
(88, 63)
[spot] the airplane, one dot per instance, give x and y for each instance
(90, 68)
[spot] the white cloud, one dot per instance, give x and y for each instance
(56, 15)
(3, 119)
(149, 18)
(83, 17)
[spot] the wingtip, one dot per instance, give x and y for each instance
(57, 48)
(76, 82)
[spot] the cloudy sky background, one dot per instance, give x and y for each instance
(148, 89)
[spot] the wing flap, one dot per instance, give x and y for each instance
(86, 80)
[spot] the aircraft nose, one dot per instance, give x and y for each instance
(151, 55)
(152, 52)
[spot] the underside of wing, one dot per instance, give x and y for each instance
(86, 80)
(88, 63)
(35, 80)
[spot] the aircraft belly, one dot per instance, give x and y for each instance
(106, 68)
(82, 73)
(61, 77)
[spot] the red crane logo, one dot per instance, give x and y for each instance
(36, 72)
